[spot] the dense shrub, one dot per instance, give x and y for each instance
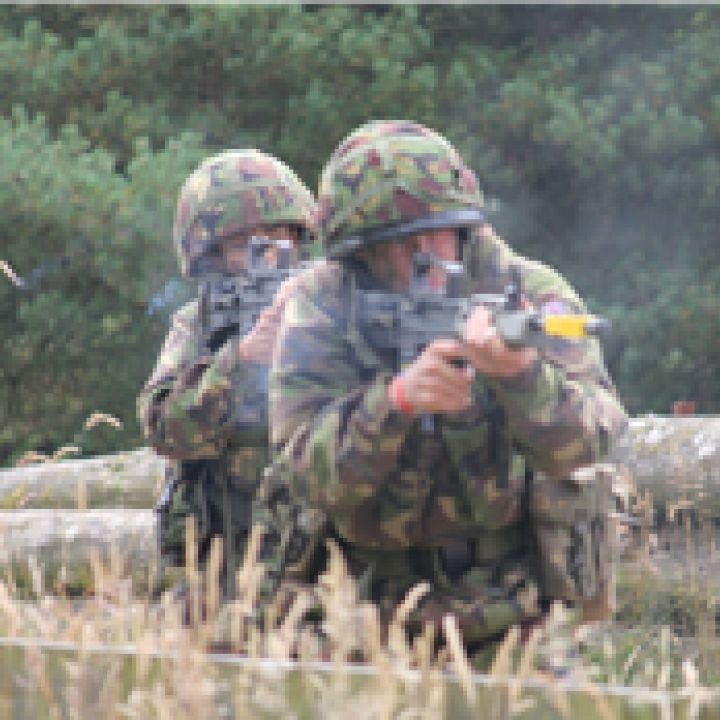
(595, 133)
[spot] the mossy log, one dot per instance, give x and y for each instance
(127, 479)
(675, 459)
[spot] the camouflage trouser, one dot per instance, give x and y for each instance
(562, 550)
(488, 582)
(576, 538)
(486, 596)
(293, 537)
(219, 508)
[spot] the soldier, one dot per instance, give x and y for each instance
(457, 506)
(206, 408)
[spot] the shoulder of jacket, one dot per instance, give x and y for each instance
(544, 283)
(322, 285)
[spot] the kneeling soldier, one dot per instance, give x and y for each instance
(242, 218)
(420, 456)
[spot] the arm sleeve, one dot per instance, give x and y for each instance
(195, 402)
(337, 435)
(564, 411)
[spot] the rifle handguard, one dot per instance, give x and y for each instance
(573, 327)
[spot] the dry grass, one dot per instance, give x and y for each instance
(99, 418)
(33, 456)
(8, 271)
(117, 654)
(92, 421)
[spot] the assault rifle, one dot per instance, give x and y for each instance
(231, 305)
(404, 324)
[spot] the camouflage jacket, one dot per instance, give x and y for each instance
(388, 488)
(210, 410)
(195, 405)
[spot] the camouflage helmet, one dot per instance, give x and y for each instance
(391, 178)
(233, 191)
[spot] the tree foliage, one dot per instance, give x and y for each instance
(594, 132)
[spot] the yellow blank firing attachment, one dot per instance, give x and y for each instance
(574, 327)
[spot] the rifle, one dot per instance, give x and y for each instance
(404, 324)
(228, 306)
(231, 304)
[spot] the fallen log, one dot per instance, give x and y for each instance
(114, 551)
(675, 459)
(128, 479)
(52, 548)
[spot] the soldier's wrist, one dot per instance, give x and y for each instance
(396, 396)
(247, 351)
(242, 351)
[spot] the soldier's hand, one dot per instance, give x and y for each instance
(258, 345)
(433, 384)
(285, 292)
(488, 353)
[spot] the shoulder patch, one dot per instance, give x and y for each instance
(556, 307)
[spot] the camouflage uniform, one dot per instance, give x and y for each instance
(457, 507)
(208, 411)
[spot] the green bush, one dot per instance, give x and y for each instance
(594, 132)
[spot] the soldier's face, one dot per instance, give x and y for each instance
(442, 243)
(235, 248)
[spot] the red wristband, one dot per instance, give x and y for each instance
(396, 391)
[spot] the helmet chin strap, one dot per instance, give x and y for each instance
(469, 251)
(304, 241)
